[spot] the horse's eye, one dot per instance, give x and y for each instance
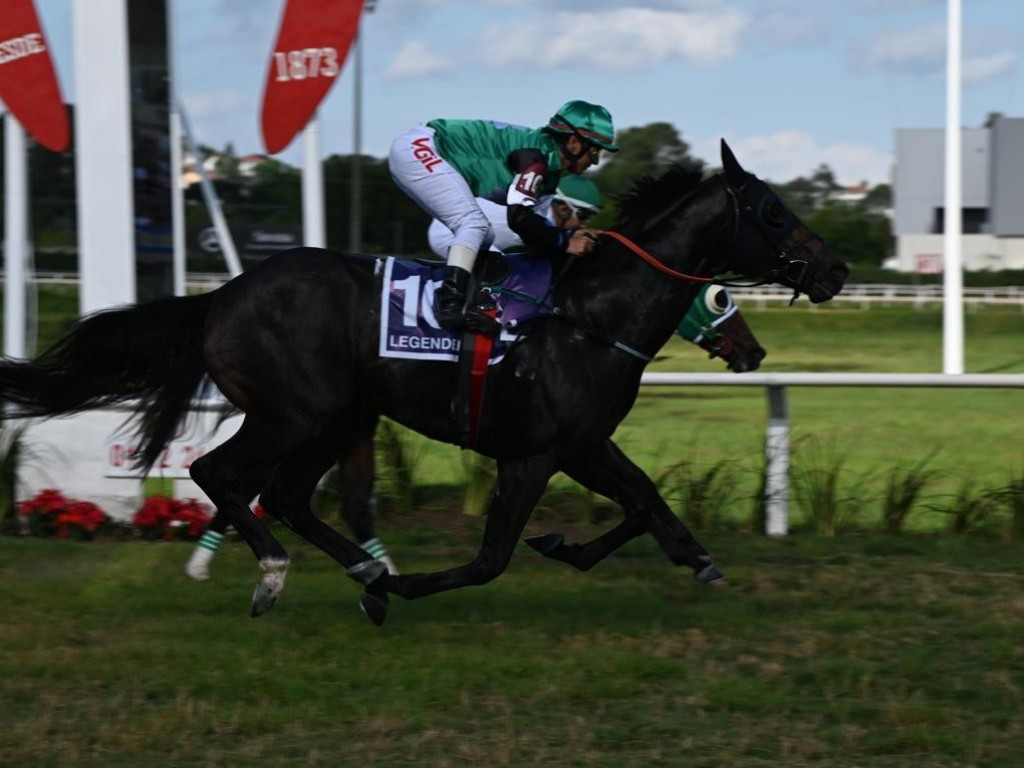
(773, 213)
(717, 299)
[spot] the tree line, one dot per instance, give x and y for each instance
(270, 196)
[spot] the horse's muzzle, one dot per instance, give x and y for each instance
(823, 278)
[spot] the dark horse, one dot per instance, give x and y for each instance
(713, 322)
(293, 343)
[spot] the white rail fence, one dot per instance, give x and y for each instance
(777, 431)
(862, 294)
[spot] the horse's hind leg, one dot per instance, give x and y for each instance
(607, 471)
(230, 475)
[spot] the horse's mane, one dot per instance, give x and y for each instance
(649, 195)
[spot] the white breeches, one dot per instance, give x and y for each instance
(440, 190)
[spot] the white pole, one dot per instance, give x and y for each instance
(103, 155)
(177, 192)
(15, 236)
(227, 244)
(313, 229)
(355, 237)
(952, 306)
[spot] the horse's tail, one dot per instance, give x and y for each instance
(152, 352)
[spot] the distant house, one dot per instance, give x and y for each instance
(849, 195)
(247, 165)
(992, 168)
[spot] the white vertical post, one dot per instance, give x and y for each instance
(227, 244)
(16, 236)
(313, 231)
(177, 192)
(355, 236)
(103, 155)
(776, 463)
(177, 205)
(952, 284)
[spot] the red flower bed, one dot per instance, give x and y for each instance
(164, 518)
(49, 513)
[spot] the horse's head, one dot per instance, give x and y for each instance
(768, 240)
(714, 323)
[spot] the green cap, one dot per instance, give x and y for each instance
(591, 121)
(579, 192)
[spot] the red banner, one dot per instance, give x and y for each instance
(28, 83)
(311, 47)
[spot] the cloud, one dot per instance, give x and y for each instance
(785, 28)
(415, 60)
(919, 50)
(786, 155)
(627, 39)
(922, 51)
(981, 69)
(214, 103)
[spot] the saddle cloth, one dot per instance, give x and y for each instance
(409, 330)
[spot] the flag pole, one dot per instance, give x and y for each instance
(952, 283)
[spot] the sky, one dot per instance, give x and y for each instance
(790, 85)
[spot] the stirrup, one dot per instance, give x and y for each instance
(481, 314)
(448, 307)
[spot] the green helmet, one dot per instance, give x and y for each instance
(591, 121)
(579, 192)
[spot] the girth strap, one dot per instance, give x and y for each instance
(469, 400)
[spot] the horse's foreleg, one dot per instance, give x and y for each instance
(287, 498)
(593, 469)
(355, 492)
(519, 486)
(607, 471)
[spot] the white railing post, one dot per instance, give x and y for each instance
(776, 463)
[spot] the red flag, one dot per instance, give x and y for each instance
(28, 83)
(311, 47)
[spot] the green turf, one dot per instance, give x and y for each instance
(858, 651)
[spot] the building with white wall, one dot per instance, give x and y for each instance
(992, 160)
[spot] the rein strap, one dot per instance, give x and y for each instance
(652, 260)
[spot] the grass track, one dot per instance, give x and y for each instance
(861, 651)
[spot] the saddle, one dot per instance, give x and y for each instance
(518, 286)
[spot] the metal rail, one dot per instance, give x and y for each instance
(864, 294)
(776, 439)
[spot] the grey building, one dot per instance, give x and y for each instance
(992, 172)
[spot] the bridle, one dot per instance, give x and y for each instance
(780, 273)
(785, 262)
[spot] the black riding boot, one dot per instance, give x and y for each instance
(450, 298)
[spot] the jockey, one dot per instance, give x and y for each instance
(446, 164)
(575, 201)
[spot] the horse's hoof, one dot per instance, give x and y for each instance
(374, 606)
(710, 574)
(367, 571)
(263, 599)
(197, 572)
(546, 543)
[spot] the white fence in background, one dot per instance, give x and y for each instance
(84, 456)
(865, 295)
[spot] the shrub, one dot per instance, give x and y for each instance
(163, 518)
(49, 513)
(902, 491)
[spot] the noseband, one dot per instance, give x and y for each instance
(783, 272)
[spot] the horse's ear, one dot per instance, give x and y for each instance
(733, 170)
